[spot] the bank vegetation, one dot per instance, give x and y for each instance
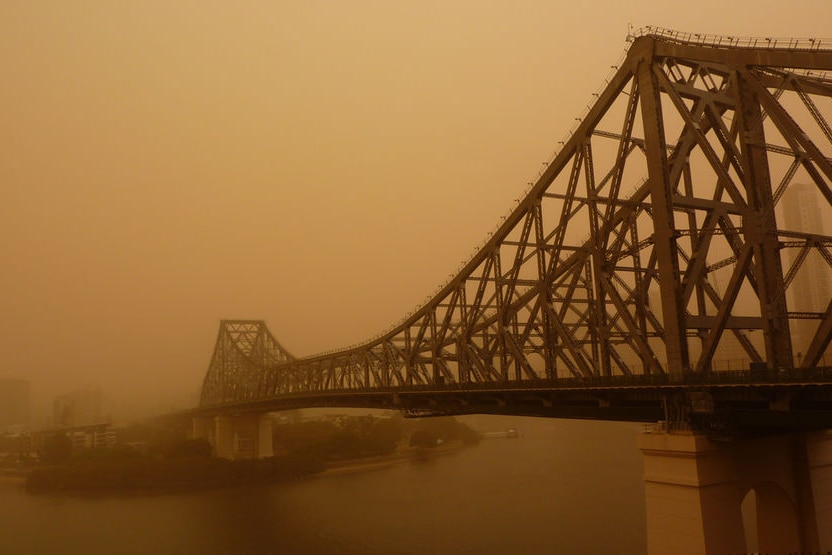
(149, 458)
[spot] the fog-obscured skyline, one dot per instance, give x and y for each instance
(319, 165)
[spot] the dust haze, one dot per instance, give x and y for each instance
(319, 165)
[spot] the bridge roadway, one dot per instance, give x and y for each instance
(730, 402)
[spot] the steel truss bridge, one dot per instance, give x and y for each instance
(654, 245)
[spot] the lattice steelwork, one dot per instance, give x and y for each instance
(650, 243)
(246, 356)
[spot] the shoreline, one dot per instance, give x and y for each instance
(370, 464)
(333, 468)
(8, 475)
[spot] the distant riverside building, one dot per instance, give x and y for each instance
(79, 408)
(92, 437)
(15, 401)
(811, 288)
(15, 444)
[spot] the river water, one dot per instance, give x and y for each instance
(563, 486)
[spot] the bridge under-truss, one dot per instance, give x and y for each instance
(656, 254)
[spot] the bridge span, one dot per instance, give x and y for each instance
(680, 225)
(735, 404)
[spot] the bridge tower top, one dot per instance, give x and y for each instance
(244, 353)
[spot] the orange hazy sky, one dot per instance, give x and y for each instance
(320, 165)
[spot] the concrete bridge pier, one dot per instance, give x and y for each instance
(771, 495)
(246, 436)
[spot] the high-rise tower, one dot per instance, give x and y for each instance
(812, 285)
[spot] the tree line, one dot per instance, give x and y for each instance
(170, 460)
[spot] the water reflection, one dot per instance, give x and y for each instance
(563, 486)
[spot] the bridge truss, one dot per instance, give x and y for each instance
(654, 241)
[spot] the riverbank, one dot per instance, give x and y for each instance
(199, 474)
(14, 474)
(138, 474)
(405, 454)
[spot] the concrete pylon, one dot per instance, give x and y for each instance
(265, 447)
(201, 427)
(224, 437)
(693, 501)
(244, 436)
(819, 467)
(695, 490)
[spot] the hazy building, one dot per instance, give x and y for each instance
(79, 408)
(93, 437)
(15, 401)
(810, 291)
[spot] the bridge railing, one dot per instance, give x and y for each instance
(726, 41)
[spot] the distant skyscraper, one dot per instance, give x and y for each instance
(79, 408)
(812, 286)
(15, 400)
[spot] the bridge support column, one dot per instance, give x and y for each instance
(224, 444)
(696, 489)
(201, 427)
(693, 502)
(265, 448)
(237, 437)
(819, 462)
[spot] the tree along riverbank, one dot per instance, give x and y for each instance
(148, 474)
(303, 450)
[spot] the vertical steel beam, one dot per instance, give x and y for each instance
(408, 348)
(661, 194)
(502, 302)
(597, 308)
(760, 227)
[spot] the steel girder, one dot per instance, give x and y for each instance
(650, 245)
(246, 357)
